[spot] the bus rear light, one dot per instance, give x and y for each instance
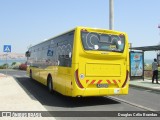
(127, 79)
(77, 79)
(83, 30)
(121, 34)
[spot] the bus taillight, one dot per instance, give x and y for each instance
(127, 79)
(121, 34)
(83, 30)
(77, 79)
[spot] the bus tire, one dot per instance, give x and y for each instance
(30, 75)
(49, 84)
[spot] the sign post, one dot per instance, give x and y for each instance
(6, 49)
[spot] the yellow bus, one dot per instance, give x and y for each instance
(82, 62)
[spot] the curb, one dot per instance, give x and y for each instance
(154, 89)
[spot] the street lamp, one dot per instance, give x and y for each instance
(111, 15)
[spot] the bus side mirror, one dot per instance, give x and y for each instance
(27, 54)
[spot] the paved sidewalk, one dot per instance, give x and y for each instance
(147, 84)
(14, 98)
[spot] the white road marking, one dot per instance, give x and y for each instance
(17, 76)
(133, 104)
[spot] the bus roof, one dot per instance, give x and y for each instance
(52, 37)
(80, 27)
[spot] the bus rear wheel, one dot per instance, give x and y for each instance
(30, 75)
(50, 84)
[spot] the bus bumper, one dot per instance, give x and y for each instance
(101, 92)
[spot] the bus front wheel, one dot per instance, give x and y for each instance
(50, 84)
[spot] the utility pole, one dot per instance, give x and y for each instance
(111, 15)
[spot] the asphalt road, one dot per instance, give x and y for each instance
(137, 100)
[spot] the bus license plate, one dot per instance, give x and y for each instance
(102, 85)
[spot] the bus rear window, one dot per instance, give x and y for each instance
(102, 42)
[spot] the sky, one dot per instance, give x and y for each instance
(28, 22)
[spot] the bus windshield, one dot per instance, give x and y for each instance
(102, 42)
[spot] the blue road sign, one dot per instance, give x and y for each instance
(7, 48)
